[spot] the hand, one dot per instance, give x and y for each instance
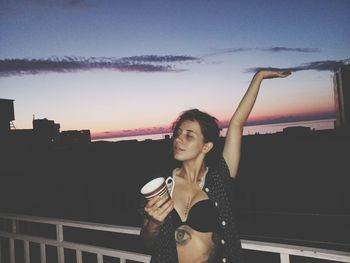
(157, 210)
(270, 74)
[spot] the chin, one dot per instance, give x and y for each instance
(178, 157)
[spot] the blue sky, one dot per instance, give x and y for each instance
(124, 65)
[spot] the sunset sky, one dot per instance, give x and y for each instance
(110, 66)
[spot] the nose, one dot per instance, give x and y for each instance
(179, 137)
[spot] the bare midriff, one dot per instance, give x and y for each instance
(193, 246)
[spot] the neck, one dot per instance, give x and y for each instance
(193, 170)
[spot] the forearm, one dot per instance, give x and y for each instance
(156, 212)
(232, 147)
(246, 104)
(149, 232)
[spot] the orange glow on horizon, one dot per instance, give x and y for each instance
(301, 115)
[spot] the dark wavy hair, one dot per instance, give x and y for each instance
(208, 124)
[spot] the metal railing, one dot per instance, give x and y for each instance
(10, 235)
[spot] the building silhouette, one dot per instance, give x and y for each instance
(297, 130)
(7, 115)
(45, 132)
(74, 137)
(341, 81)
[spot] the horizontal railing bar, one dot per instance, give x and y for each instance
(340, 256)
(292, 214)
(117, 228)
(82, 247)
(77, 224)
(284, 240)
(110, 228)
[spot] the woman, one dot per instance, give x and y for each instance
(197, 224)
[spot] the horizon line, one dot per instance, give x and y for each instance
(222, 125)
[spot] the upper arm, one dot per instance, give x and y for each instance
(232, 148)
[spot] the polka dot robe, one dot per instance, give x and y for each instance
(217, 183)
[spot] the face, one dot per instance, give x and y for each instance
(189, 142)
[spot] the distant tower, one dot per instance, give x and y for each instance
(7, 115)
(341, 82)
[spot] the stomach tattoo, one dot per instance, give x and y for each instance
(183, 235)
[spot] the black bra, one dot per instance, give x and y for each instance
(202, 217)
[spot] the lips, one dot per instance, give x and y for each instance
(178, 149)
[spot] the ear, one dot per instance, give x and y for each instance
(207, 147)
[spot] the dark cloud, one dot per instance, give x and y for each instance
(61, 3)
(216, 52)
(270, 49)
(150, 63)
(159, 59)
(288, 49)
(326, 65)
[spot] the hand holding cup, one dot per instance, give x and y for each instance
(159, 203)
(158, 208)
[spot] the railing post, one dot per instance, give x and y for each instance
(43, 253)
(12, 241)
(26, 252)
(0, 249)
(60, 250)
(99, 258)
(284, 258)
(12, 250)
(79, 256)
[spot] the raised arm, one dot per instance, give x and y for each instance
(232, 147)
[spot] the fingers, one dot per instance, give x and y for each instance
(157, 209)
(156, 202)
(284, 74)
(277, 74)
(151, 202)
(165, 210)
(270, 74)
(159, 214)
